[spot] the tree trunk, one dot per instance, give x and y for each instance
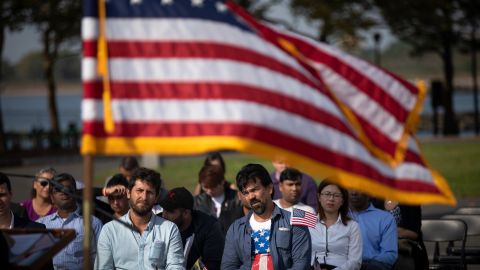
(3, 147)
(450, 124)
(49, 65)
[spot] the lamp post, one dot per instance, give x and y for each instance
(377, 38)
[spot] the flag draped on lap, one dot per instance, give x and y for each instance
(187, 77)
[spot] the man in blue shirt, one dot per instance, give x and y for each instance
(379, 233)
(264, 238)
(151, 243)
(68, 216)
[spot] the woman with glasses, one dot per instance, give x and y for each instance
(40, 204)
(336, 239)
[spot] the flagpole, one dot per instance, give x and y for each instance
(87, 210)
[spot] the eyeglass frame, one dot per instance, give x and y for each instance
(329, 195)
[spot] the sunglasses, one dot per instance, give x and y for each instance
(43, 182)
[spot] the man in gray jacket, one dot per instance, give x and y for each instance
(264, 239)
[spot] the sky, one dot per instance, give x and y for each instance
(18, 44)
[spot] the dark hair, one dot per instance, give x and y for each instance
(52, 171)
(215, 156)
(4, 180)
(252, 172)
(344, 208)
(129, 163)
(146, 175)
(290, 174)
(211, 176)
(64, 177)
(117, 179)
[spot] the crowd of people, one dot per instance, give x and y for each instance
(278, 220)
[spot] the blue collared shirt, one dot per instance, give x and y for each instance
(71, 257)
(158, 247)
(379, 234)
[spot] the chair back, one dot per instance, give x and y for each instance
(468, 211)
(473, 223)
(444, 230)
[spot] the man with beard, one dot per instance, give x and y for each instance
(291, 188)
(379, 233)
(68, 216)
(264, 238)
(151, 243)
(202, 237)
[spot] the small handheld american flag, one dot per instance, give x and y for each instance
(303, 218)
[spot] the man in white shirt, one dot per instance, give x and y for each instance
(291, 189)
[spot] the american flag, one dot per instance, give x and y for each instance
(188, 77)
(303, 218)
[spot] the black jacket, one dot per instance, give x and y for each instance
(230, 208)
(23, 223)
(208, 241)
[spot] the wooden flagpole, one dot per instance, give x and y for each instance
(87, 210)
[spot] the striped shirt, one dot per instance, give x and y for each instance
(71, 257)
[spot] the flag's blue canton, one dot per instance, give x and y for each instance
(211, 10)
(260, 242)
(298, 213)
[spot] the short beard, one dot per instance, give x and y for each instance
(259, 210)
(141, 212)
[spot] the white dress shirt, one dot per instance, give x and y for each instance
(299, 205)
(339, 245)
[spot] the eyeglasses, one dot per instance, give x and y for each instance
(329, 195)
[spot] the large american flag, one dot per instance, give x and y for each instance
(187, 77)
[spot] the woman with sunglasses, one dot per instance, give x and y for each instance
(336, 239)
(40, 204)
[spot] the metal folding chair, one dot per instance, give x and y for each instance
(468, 211)
(446, 231)
(472, 253)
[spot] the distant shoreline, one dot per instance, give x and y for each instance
(39, 89)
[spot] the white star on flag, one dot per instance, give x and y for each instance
(221, 7)
(167, 2)
(135, 2)
(262, 244)
(256, 239)
(197, 3)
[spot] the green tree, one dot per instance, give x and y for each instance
(429, 26)
(58, 21)
(13, 17)
(340, 20)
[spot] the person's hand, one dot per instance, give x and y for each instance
(118, 189)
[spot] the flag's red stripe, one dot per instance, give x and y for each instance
(201, 50)
(152, 91)
(266, 135)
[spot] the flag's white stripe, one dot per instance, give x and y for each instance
(207, 70)
(362, 104)
(196, 30)
(149, 111)
(389, 84)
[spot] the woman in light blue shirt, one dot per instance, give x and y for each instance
(336, 239)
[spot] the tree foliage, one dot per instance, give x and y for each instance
(58, 21)
(430, 26)
(340, 20)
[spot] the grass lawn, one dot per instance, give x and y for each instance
(458, 161)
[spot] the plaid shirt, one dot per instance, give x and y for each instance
(71, 257)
